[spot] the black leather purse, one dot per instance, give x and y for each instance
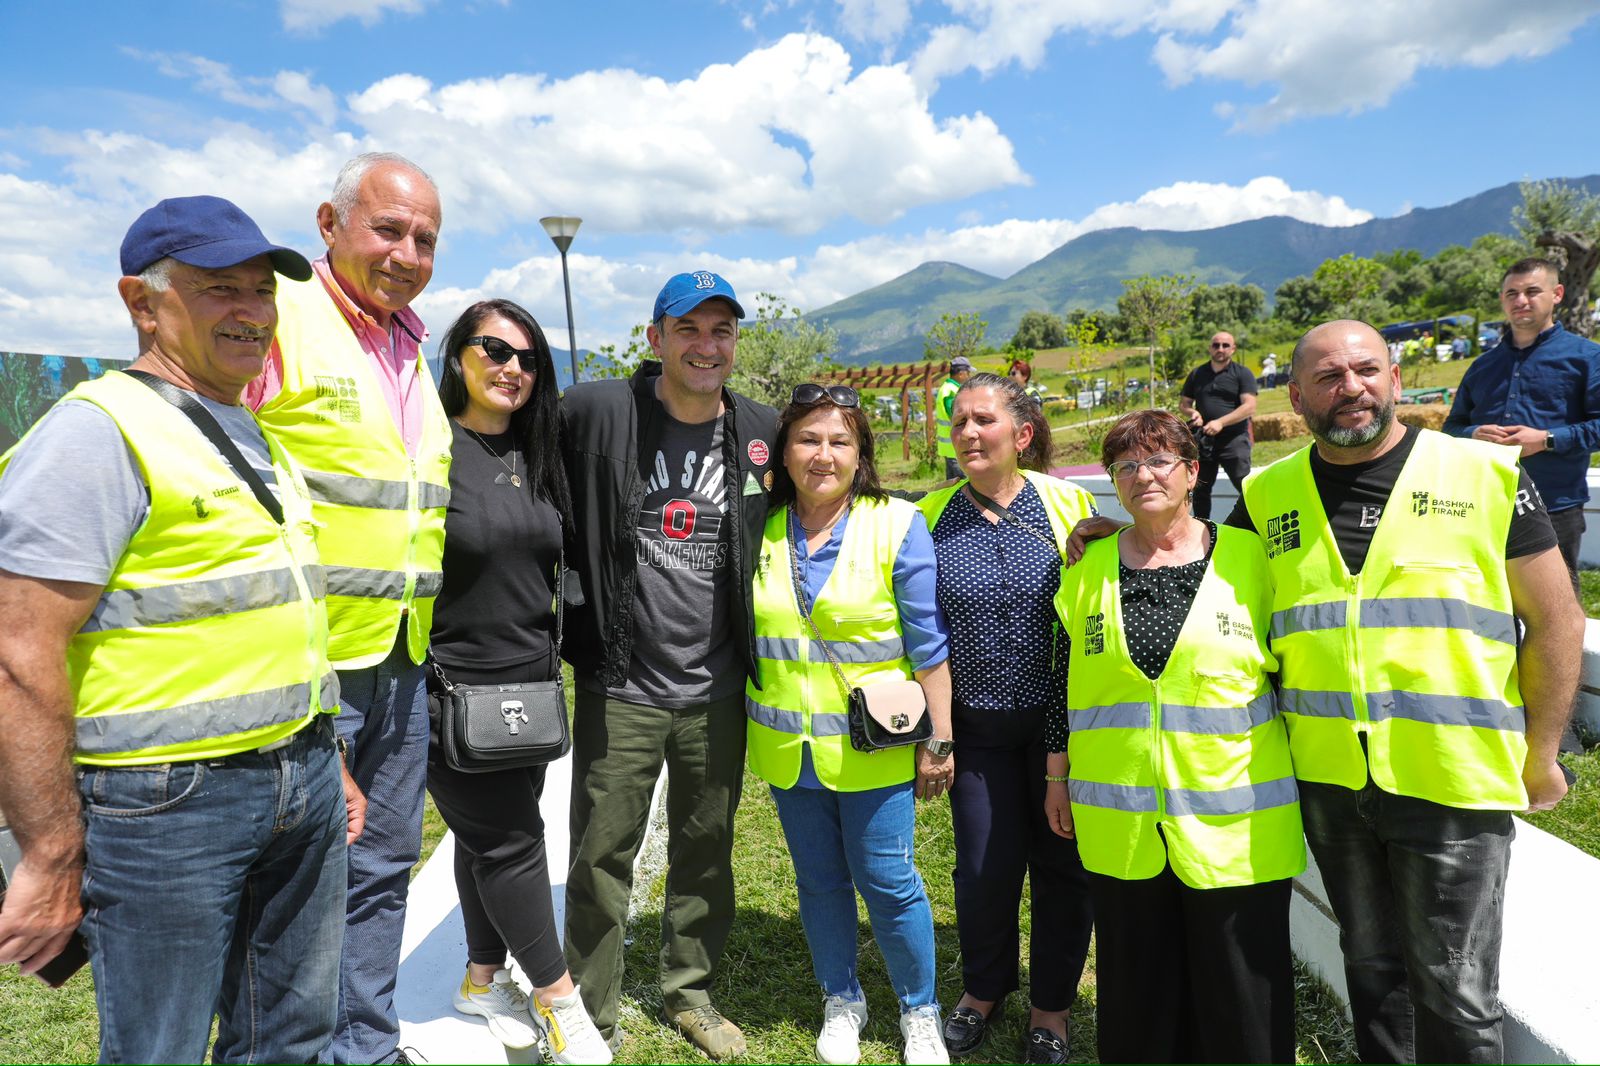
(888, 714)
(483, 728)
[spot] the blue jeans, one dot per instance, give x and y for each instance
(1418, 889)
(383, 717)
(844, 842)
(217, 888)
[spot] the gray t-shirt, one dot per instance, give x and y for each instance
(683, 651)
(73, 495)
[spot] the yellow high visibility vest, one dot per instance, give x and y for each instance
(941, 402)
(1418, 651)
(1200, 752)
(1065, 502)
(380, 512)
(211, 636)
(799, 700)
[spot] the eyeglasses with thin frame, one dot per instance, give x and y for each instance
(1161, 464)
(500, 353)
(809, 393)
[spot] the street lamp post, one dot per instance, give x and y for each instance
(562, 228)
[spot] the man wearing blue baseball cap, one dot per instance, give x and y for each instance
(167, 754)
(669, 474)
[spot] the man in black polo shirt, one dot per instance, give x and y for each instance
(1218, 399)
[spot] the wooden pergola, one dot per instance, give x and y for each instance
(922, 376)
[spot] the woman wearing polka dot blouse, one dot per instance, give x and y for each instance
(999, 538)
(1177, 783)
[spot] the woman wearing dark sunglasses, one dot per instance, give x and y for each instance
(494, 623)
(860, 565)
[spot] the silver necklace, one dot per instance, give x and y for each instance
(511, 468)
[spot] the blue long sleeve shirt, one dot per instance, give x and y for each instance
(1554, 385)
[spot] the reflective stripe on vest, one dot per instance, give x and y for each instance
(798, 701)
(210, 637)
(1200, 753)
(1418, 650)
(381, 511)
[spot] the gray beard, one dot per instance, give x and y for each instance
(1329, 432)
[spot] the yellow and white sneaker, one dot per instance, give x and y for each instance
(503, 1005)
(568, 1034)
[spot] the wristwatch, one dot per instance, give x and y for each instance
(940, 746)
(1549, 440)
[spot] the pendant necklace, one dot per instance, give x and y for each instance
(511, 468)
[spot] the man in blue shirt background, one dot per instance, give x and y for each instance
(1538, 389)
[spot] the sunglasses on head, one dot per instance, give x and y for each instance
(500, 353)
(809, 393)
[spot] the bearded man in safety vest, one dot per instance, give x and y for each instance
(1402, 560)
(166, 633)
(346, 392)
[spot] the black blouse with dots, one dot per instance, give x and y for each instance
(1155, 604)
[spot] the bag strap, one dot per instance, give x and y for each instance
(999, 509)
(206, 423)
(805, 608)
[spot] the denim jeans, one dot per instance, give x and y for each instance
(217, 888)
(1418, 889)
(844, 842)
(383, 717)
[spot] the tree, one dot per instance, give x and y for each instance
(1349, 285)
(779, 351)
(1039, 329)
(1565, 220)
(1213, 307)
(1152, 306)
(607, 362)
(955, 335)
(1299, 301)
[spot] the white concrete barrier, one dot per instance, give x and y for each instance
(1586, 716)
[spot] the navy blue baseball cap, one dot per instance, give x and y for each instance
(204, 231)
(684, 292)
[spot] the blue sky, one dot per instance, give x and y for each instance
(808, 149)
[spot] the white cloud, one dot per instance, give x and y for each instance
(312, 15)
(288, 87)
(875, 20)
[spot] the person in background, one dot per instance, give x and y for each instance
(861, 565)
(346, 391)
(943, 400)
(495, 624)
(1176, 781)
(1219, 397)
(1021, 372)
(999, 537)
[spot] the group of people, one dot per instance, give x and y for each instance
(245, 562)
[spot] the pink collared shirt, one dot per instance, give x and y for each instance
(393, 353)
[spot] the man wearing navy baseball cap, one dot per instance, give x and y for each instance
(669, 475)
(167, 753)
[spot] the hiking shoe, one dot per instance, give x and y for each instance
(568, 1034)
(924, 1042)
(503, 1005)
(839, 1042)
(708, 1030)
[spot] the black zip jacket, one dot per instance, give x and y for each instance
(607, 429)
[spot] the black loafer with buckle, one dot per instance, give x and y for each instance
(965, 1029)
(1045, 1046)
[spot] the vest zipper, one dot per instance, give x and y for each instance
(414, 519)
(1352, 635)
(309, 606)
(1157, 761)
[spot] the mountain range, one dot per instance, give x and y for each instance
(886, 323)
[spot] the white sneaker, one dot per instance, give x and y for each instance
(503, 1005)
(839, 1042)
(569, 1034)
(924, 1041)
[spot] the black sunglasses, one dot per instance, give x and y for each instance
(500, 353)
(810, 393)
(1220, 344)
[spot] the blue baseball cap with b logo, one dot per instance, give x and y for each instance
(684, 292)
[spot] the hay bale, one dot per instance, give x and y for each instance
(1280, 425)
(1426, 415)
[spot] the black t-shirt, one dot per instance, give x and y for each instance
(501, 548)
(1216, 393)
(1353, 497)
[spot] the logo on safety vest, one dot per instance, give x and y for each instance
(1229, 627)
(1419, 503)
(1283, 534)
(1425, 503)
(1094, 634)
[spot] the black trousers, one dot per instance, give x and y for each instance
(1192, 975)
(1232, 457)
(502, 875)
(1569, 525)
(997, 811)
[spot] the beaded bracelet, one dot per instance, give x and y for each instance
(1059, 779)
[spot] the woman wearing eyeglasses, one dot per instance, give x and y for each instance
(999, 537)
(494, 623)
(844, 598)
(1177, 782)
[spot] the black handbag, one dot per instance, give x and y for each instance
(483, 728)
(888, 714)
